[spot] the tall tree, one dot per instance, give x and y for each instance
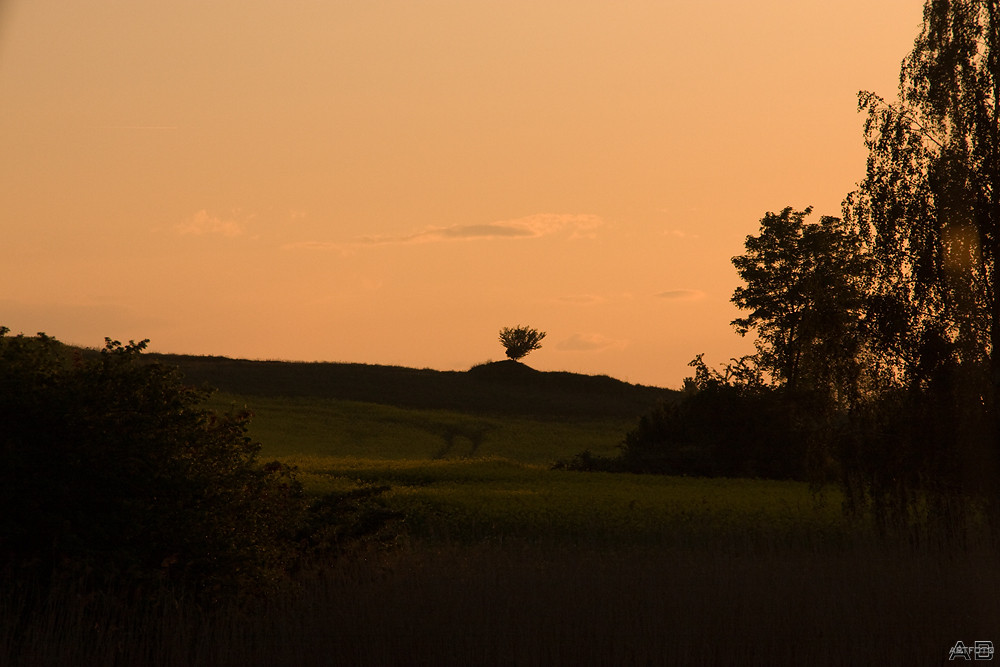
(804, 290)
(929, 212)
(929, 206)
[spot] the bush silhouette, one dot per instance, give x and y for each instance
(519, 341)
(110, 467)
(718, 430)
(721, 425)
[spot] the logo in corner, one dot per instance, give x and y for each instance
(980, 650)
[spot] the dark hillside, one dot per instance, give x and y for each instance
(503, 387)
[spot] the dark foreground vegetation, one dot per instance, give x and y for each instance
(113, 471)
(490, 604)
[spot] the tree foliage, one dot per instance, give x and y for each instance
(721, 425)
(726, 423)
(928, 210)
(929, 205)
(111, 467)
(520, 340)
(805, 291)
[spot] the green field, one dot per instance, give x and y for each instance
(473, 476)
(302, 426)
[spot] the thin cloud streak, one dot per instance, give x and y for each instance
(202, 223)
(592, 342)
(530, 227)
(681, 295)
(454, 233)
(580, 299)
(140, 127)
(680, 234)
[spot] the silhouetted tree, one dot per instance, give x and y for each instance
(805, 292)
(929, 212)
(930, 202)
(519, 341)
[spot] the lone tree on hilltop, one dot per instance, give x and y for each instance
(519, 341)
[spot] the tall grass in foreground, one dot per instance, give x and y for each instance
(539, 604)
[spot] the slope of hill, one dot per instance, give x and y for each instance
(503, 387)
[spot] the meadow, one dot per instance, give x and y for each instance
(472, 477)
(501, 560)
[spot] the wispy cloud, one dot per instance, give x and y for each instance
(580, 299)
(589, 342)
(140, 127)
(493, 230)
(680, 234)
(203, 223)
(314, 245)
(529, 227)
(681, 295)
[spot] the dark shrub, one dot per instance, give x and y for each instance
(719, 429)
(727, 424)
(110, 467)
(923, 458)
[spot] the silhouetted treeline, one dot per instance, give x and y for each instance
(877, 333)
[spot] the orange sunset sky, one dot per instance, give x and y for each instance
(389, 181)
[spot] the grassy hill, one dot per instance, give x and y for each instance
(503, 409)
(498, 388)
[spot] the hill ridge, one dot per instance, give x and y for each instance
(502, 387)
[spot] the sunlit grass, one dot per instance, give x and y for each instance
(497, 498)
(472, 477)
(296, 426)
